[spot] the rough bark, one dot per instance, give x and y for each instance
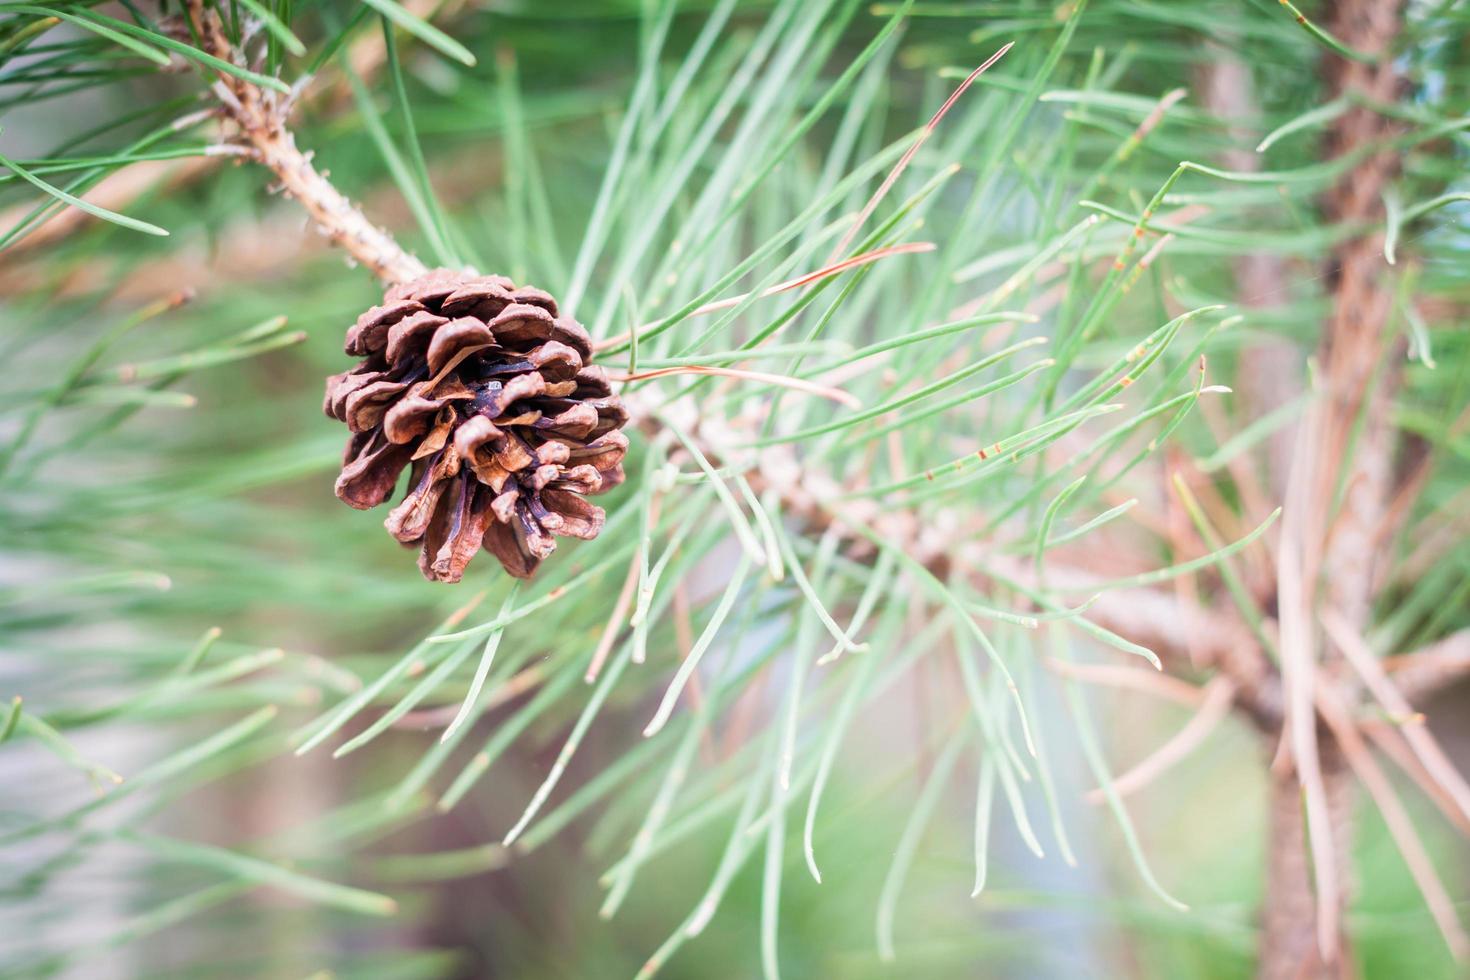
(1289, 904)
(1351, 449)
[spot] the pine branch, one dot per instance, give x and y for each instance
(260, 115)
(1426, 672)
(1146, 616)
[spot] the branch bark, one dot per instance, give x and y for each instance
(1329, 551)
(1289, 949)
(260, 116)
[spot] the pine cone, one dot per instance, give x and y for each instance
(488, 393)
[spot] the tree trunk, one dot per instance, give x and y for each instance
(1340, 547)
(1288, 927)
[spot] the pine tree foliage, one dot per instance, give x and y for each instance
(947, 428)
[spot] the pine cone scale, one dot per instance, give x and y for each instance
(370, 333)
(368, 478)
(411, 335)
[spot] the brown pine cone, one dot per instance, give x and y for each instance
(488, 393)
